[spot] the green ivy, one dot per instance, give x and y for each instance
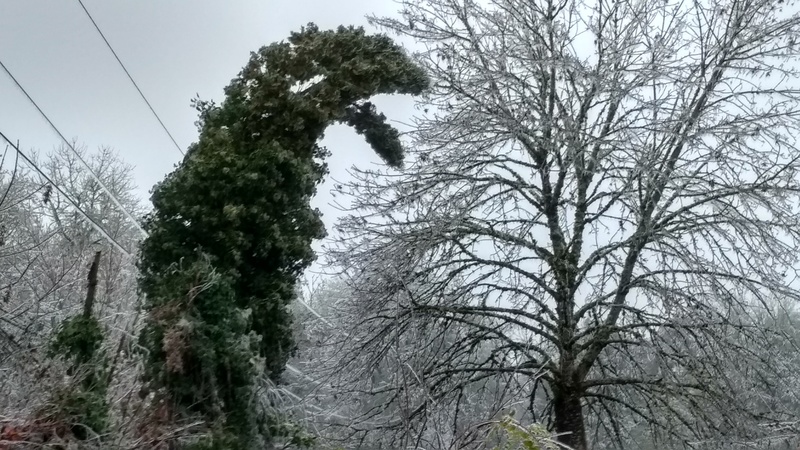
(82, 409)
(82, 404)
(201, 350)
(78, 339)
(240, 202)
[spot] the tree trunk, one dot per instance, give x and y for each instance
(568, 414)
(88, 304)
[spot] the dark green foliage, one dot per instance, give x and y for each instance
(200, 349)
(383, 137)
(78, 339)
(82, 403)
(84, 409)
(241, 197)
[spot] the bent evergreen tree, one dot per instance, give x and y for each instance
(236, 213)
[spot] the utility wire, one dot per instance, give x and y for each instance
(71, 147)
(96, 27)
(83, 213)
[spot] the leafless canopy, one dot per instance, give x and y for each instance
(605, 196)
(46, 249)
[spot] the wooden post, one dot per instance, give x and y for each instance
(90, 293)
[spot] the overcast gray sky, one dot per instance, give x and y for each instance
(174, 49)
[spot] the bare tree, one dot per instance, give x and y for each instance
(117, 293)
(44, 260)
(603, 192)
(14, 191)
(342, 413)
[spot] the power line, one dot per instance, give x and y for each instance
(83, 213)
(71, 147)
(96, 27)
